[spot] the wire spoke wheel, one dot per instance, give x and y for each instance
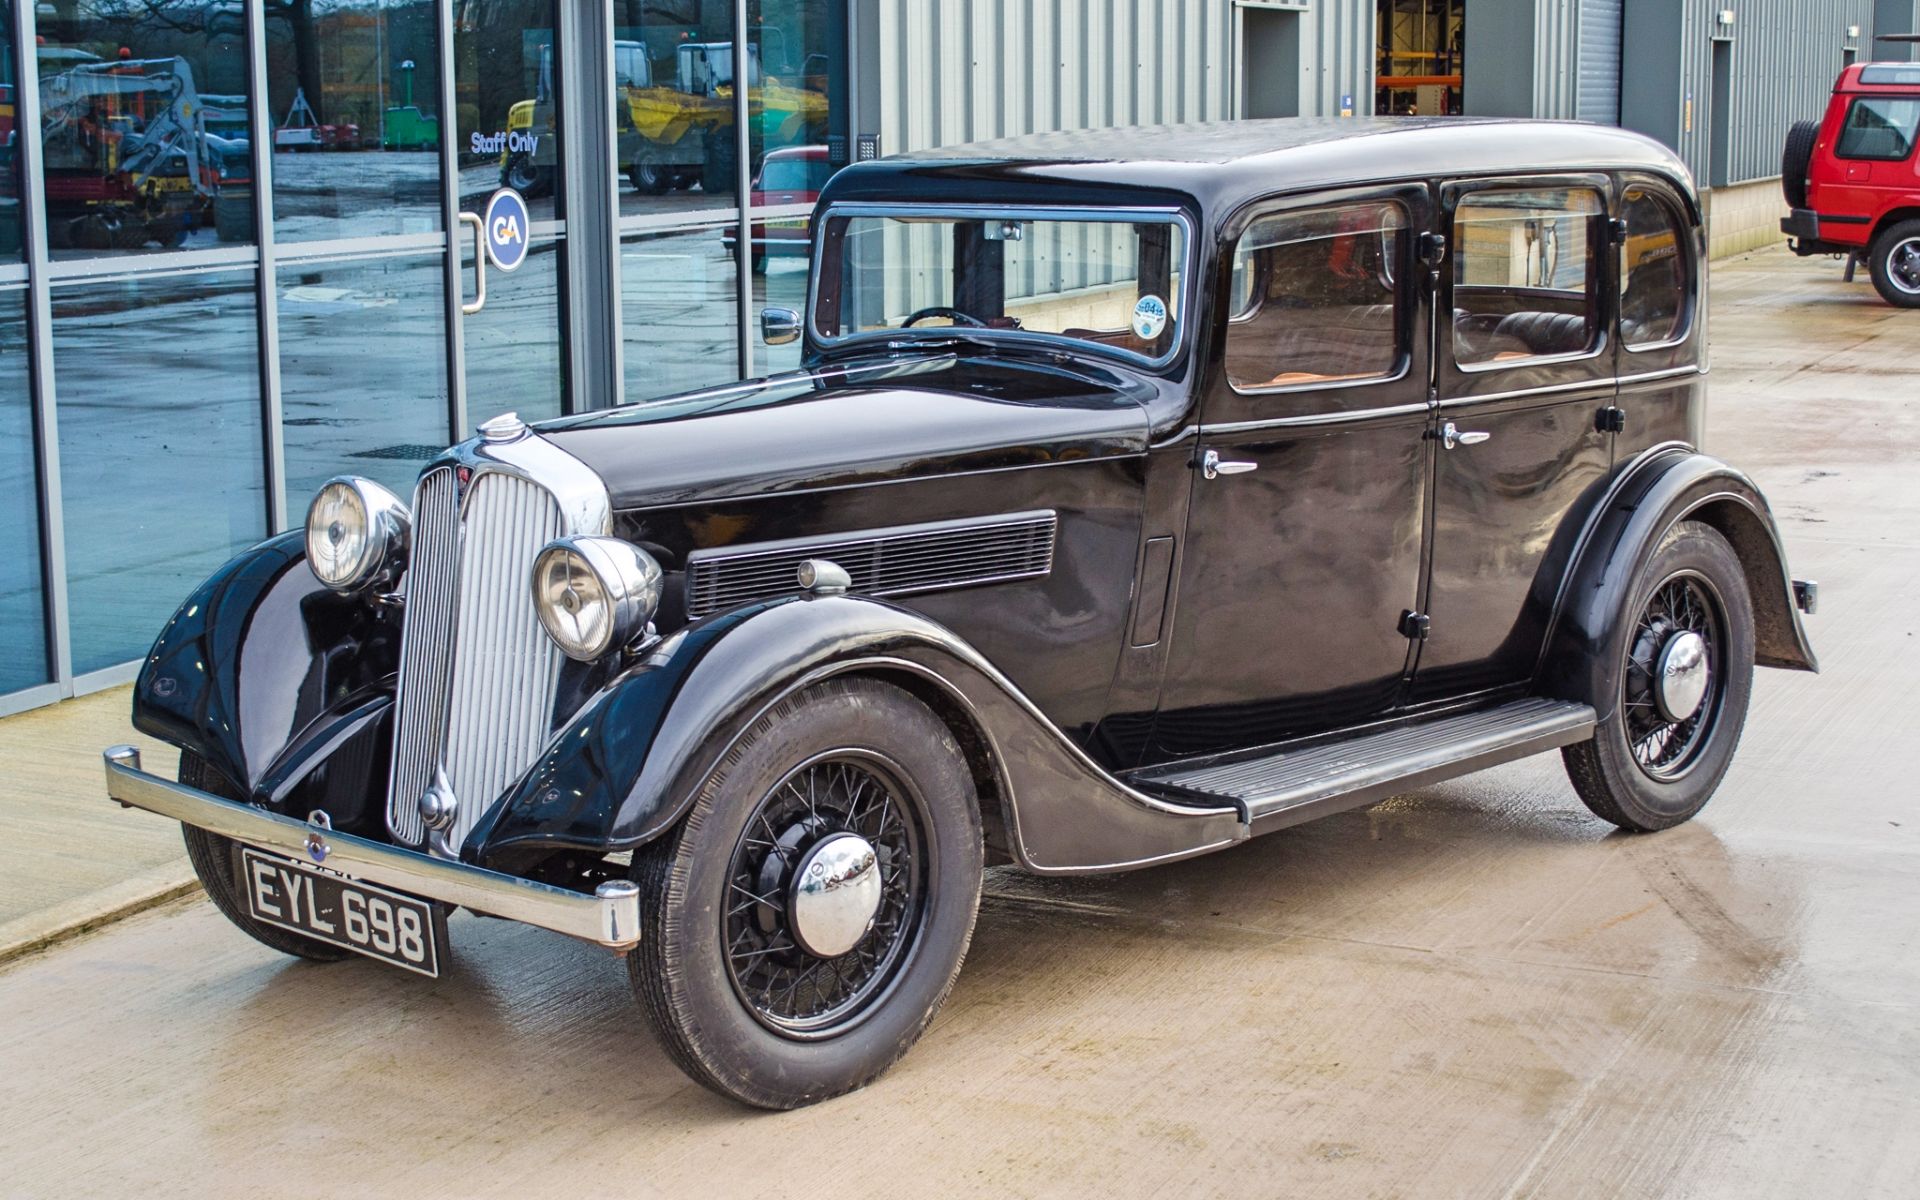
(1666, 739)
(775, 967)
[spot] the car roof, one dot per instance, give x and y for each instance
(1879, 77)
(1217, 166)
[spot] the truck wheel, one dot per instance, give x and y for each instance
(525, 176)
(216, 860)
(650, 178)
(805, 921)
(1796, 159)
(1686, 673)
(1895, 263)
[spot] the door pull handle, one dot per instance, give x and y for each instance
(1452, 435)
(1212, 466)
(479, 263)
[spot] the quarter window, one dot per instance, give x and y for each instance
(1314, 298)
(1653, 272)
(1879, 127)
(1524, 284)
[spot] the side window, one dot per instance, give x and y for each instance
(1654, 273)
(1524, 283)
(1879, 127)
(1314, 297)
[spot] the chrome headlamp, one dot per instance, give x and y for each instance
(357, 533)
(594, 593)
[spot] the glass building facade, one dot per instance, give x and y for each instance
(238, 256)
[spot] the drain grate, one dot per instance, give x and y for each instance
(406, 450)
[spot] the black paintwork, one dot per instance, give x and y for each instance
(1182, 616)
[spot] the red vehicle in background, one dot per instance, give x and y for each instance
(793, 175)
(1853, 182)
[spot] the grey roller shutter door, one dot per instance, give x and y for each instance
(1597, 96)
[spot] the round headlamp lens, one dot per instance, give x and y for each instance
(594, 593)
(573, 602)
(339, 535)
(357, 532)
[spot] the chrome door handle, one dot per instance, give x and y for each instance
(1452, 435)
(479, 300)
(1213, 467)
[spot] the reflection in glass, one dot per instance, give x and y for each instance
(160, 448)
(787, 102)
(23, 632)
(363, 379)
(353, 89)
(144, 126)
(782, 284)
(507, 102)
(11, 245)
(513, 344)
(679, 313)
(673, 105)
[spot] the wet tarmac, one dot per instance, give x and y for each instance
(1475, 989)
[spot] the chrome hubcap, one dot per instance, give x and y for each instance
(1680, 676)
(1903, 266)
(836, 895)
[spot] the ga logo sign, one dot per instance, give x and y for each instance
(507, 227)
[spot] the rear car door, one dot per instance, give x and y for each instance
(1525, 376)
(1308, 501)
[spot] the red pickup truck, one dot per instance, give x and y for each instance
(1852, 180)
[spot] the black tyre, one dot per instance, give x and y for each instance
(717, 165)
(1796, 159)
(1686, 655)
(525, 176)
(650, 178)
(778, 998)
(216, 860)
(1895, 264)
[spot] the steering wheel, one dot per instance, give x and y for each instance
(941, 310)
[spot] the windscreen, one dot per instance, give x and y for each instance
(1115, 283)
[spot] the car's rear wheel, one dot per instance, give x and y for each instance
(1895, 263)
(1796, 160)
(1686, 673)
(216, 860)
(807, 918)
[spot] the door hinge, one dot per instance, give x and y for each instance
(1610, 419)
(1433, 248)
(1414, 625)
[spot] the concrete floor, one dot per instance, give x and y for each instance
(1472, 990)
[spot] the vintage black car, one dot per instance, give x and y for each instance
(1142, 491)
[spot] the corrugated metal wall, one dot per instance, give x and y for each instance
(953, 71)
(1783, 56)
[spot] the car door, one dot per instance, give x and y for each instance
(1524, 388)
(1309, 483)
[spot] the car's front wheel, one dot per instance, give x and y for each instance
(1895, 263)
(1685, 654)
(807, 918)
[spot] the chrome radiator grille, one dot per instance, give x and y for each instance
(477, 673)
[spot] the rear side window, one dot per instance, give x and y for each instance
(1315, 299)
(1879, 127)
(1524, 284)
(1654, 272)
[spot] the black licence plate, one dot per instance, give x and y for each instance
(343, 912)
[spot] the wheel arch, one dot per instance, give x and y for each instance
(626, 768)
(1892, 217)
(1662, 487)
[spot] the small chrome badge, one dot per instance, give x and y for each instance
(438, 805)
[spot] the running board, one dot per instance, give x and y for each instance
(1296, 785)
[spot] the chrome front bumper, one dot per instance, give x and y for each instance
(610, 917)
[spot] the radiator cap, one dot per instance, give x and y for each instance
(507, 427)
